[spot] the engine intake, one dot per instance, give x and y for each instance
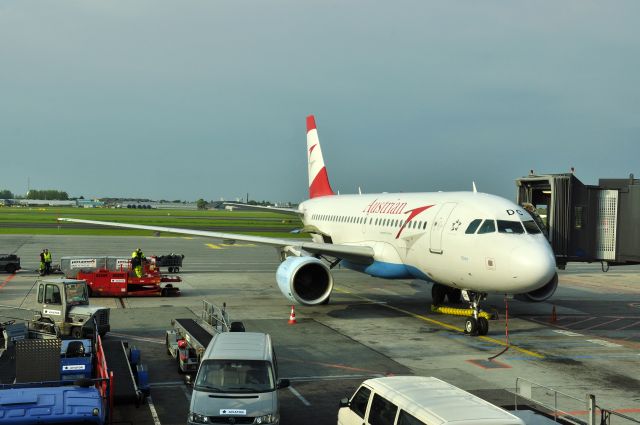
(542, 293)
(305, 280)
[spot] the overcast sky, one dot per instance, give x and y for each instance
(188, 99)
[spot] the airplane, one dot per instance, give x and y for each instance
(466, 244)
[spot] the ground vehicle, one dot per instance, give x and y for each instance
(65, 307)
(56, 383)
(189, 338)
(114, 277)
(237, 381)
(418, 400)
(9, 263)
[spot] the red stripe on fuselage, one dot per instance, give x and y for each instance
(320, 185)
(414, 212)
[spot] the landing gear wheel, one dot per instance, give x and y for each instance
(454, 295)
(483, 326)
(471, 326)
(438, 293)
(176, 269)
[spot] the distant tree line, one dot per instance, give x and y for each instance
(6, 194)
(52, 195)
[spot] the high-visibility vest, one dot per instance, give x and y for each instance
(47, 257)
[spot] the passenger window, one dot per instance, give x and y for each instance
(52, 295)
(424, 226)
(473, 226)
(488, 226)
(382, 412)
(40, 293)
(505, 226)
(359, 401)
(407, 419)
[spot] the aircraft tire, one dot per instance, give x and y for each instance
(471, 326)
(454, 295)
(483, 326)
(438, 293)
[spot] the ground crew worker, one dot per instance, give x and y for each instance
(47, 262)
(42, 270)
(136, 261)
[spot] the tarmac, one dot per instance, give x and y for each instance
(584, 340)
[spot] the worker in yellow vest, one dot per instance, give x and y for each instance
(47, 262)
(137, 257)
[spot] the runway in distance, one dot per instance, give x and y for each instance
(467, 244)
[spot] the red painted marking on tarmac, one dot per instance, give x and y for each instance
(7, 280)
(584, 412)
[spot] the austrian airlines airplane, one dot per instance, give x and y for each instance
(466, 243)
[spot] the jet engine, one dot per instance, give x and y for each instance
(305, 280)
(541, 293)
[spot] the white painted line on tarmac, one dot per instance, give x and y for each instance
(300, 397)
(628, 326)
(386, 291)
(332, 377)
(166, 384)
(604, 343)
(154, 414)
(567, 333)
(601, 324)
(138, 338)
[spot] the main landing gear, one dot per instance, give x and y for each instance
(477, 322)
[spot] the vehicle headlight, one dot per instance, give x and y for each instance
(267, 419)
(198, 419)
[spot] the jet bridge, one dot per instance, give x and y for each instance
(586, 223)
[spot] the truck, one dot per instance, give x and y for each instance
(65, 310)
(9, 263)
(114, 277)
(188, 339)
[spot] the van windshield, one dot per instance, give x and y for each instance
(235, 376)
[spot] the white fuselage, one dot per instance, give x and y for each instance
(427, 236)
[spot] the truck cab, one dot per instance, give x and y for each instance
(65, 304)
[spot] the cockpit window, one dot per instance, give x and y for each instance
(531, 227)
(505, 226)
(473, 226)
(488, 226)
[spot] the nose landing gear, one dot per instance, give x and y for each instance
(476, 324)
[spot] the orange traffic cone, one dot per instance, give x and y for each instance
(554, 317)
(292, 317)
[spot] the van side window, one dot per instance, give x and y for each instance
(382, 412)
(407, 419)
(359, 401)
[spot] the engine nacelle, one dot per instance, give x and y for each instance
(305, 280)
(542, 293)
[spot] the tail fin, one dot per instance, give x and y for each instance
(318, 179)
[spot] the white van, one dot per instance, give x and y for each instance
(237, 381)
(418, 400)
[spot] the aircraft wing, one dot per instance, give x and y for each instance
(355, 253)
(291, 211)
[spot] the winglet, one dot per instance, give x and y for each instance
(318, 179)
(474, 187)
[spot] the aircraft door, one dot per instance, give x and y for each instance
(437, 227)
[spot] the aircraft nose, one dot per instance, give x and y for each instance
(532, 267)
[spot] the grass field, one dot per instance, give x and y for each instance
(44, 221)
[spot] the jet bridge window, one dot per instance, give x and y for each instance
(488, 226)
(506, 226)
(473, 226)
(531, 227)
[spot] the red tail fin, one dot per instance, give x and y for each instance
(318, 179)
